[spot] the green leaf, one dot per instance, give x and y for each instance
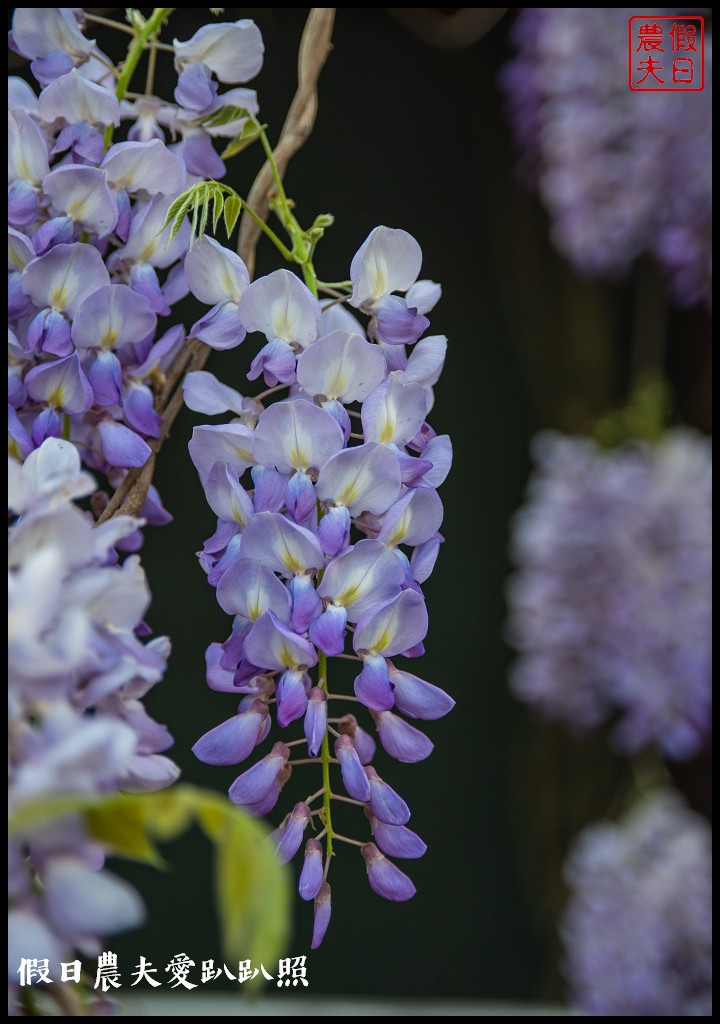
(35, 813)
(252, 887)
(217, 209)
(231, 212)
(181, 203)
(223, 115)
(122, 824)
(250, 132)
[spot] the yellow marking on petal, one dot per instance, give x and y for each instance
(77, 210)
(109, 338)
(243, 453)
(56, 397)
(399, 531)
(291, 563)
(348, 596)
(387, 431)
(286, 658)
(282, 325)
(381, 643)
(58, 297)
(254, 612)
(349, 495)
(337, 385)
(147, 252)
(379, 280)
(298, 457)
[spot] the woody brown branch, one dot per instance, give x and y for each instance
(315, 47)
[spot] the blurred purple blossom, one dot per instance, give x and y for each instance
(622, 173)
(638, 928)
(610, 610)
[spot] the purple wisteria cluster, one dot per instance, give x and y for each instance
(328, 520)
(621, 173)
(91, 273)
(77, 673)
(638, 928)
(610, 609)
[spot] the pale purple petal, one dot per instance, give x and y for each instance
(218, 678)
(280, 544)
(83, 194)
(27, 149)
(417, 698)
(148, 241)
(363, 479)
(296, 435)
(62, 384)
(424, 295)
(255, 784)
(414, 519)
(342, 366)
(249, 588)
(281, 306)
(393, 628)
(226, 442)
(394, 412)
(70, 99)
(144, 167)
(233, 50)
(215, 274)
(220, 328)
(22, 204)
(362, 578)
(122, 447)
(328, 630)
(37, 35)
(84, 903)
(396, 840)
(315, 725)
(353, 774)
(291, 832)
(439, 452)
(372, 684)
(112, 316)
(234, 740)
(291, 695)
(104, 372)
(199, 156)
(321, 919)
(64, 277)
(333, 530)
(385, 879)
(196, 88)
(139, 408)
(300, 497)
(397, 323)
(270, 487)
(402, 741)
(426, 361)
(144, 281)
(225, 496)
(276, 362)
(385, 803)
(389, 260)
(49, 332)
(311, 876)
(272, 645)
(306, 605)
(46, 424)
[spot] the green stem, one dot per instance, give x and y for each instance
(302, 252)
(325, 754)
(66, 427)
(267, 230)
(143, 34)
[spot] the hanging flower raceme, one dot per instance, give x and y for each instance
(638, 928)
(621, 172)
(328, 520)
(92, 273)
(77, 673)
(610, 610)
